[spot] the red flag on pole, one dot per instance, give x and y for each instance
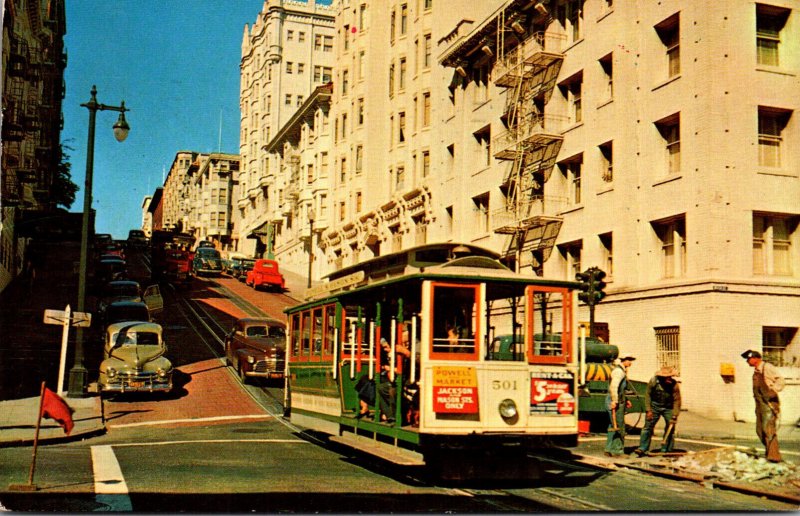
(54, 407)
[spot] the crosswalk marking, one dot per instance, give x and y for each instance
(190, 420)
(110, 488)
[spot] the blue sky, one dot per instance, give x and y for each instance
(176, 65)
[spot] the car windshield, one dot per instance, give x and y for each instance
(122, 290)
(207, 252)
(135, 338)
(265, 331)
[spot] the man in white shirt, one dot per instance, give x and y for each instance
(616, 403)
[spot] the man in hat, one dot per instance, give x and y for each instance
(616, 403)
(662, 399)
(767, 383)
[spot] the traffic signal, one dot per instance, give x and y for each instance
(591, 285)
(597, 284)
(585, 280)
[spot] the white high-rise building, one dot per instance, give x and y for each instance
(286, 54)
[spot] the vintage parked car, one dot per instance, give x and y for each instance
(205, 244)
(112, 249)
(256, 347)
(109, 268)
(125, 311)
(207, 260)
(137, 239)
(176, 267)
(240, 271)
(102, 238)
(128, 290)
(133, 359)
(265, 273)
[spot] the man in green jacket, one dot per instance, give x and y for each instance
(662, 399)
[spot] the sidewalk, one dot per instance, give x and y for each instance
(18, 422)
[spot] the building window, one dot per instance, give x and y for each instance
(670, 34)
(571, 90)
(403, 19)
(360, 111)
(607, 243)
(607, 161)
(401, 135)
(359, 158)
(392, 23)
(428, 4)
(301, 36)
(671, 236)
(288, 100)
(571, 256)
(327, 43)
(480, 82)
(346, 37)
(310, 173)
(571, 169)
(776, 342)
(426, 60)
(342, 211)
(607, 65)
(288, 67)
(481, 210)
(402, 78)
(358, 202)
(318, 42)
(771, 128)
(361, 64)
(289, 35)
(362, 17)
(668, 346)
(391, 79)
(570, 17)
(448, 220)
(426, 163)
(483, 138)
(323, 164)
(670, 129)
(299, 100)
(773, 235)
(300, 68)
(343, 171)
(344, 126)
(770, 21)
(400, 178)
(426, 109)
(345, 81)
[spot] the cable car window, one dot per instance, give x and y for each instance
(454, 321)
(295, 338)
(305, 338)
(330, 329)
(317, 331)
(550, 324)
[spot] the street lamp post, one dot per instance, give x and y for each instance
(77, 375)
(310, 244)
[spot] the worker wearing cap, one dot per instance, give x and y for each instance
(661, 399)
(767, 383)
(616, 403)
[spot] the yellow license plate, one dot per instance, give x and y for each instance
(135, 385)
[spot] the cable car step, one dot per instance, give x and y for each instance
(385, 451)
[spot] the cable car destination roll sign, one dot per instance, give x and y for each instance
(455, 390)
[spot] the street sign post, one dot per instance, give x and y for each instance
(66, 318)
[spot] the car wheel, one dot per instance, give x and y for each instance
(228, 362)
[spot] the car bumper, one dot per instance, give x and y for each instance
(266, 369)
(137, 385)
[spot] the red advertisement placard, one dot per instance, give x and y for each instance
(552, 393)
(455, 390)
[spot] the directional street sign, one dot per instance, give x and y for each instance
(83, 319)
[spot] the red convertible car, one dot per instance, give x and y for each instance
(265, 273)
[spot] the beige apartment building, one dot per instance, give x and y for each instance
(176, 201)
(286, 55)
(657, 142)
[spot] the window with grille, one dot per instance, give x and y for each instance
(771, 128)
(770, 21)
(668, 346)
(669, 32)
(772, 244)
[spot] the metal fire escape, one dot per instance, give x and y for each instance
(528, 70)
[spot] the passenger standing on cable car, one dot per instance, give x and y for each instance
(387, 393)
(616, 403)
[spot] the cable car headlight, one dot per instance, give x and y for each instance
(508, 410)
